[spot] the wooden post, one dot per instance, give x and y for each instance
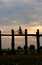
(0, 43)
(38, 41)
(26, 41)
(13, 42)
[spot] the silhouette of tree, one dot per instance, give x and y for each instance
(25, 47)
(19, 47)
(32, 47)
(40, 47)
(19, 50)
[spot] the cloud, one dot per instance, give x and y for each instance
(31, 28)
(24, 13)
(8, 2)
(21, 13)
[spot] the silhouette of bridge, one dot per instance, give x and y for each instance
(20, 33)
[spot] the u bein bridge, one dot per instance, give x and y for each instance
(20, 33)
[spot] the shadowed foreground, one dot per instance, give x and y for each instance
(30, 59)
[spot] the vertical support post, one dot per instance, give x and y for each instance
(13, 42)
(0, 43)
(38, 41)
(26, 41)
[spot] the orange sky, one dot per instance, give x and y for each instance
(19, 41)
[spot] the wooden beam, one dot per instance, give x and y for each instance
(0, 44)
(38, 41)
(26, 46)
(13, 42)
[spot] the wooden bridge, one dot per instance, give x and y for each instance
(37, 35)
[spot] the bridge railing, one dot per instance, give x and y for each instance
(37, 35)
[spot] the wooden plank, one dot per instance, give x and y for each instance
(38, 42)
(18, 35)
(0, 43)
(13, 42)
(26, 41)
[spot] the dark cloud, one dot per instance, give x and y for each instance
(20, 11)
(27, 13)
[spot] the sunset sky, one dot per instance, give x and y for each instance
(24, 13)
